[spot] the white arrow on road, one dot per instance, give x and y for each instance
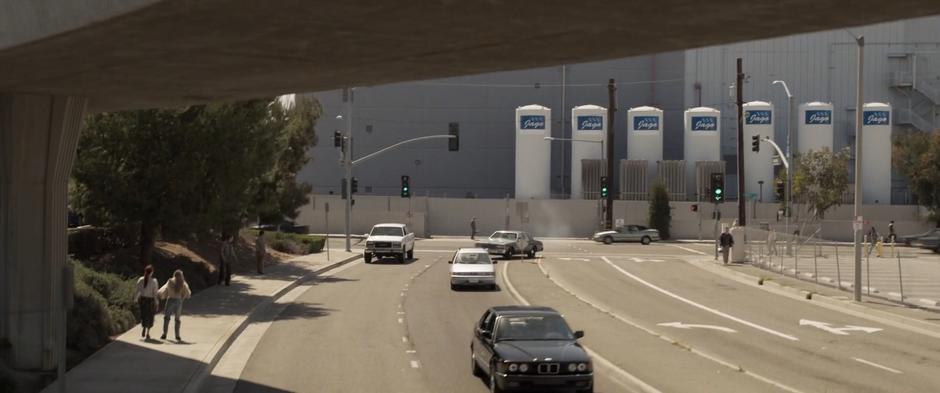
(681, 325)
(841, 331)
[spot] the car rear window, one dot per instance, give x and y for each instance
(474, 258)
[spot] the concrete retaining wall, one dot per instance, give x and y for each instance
(580, 218)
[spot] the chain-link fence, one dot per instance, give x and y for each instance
(890, 271)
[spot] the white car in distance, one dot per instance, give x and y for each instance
(472, 267)
(390, 240)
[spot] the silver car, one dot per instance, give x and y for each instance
(628, 233)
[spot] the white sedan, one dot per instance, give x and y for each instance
(472, 266)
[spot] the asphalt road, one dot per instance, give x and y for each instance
(652, 319)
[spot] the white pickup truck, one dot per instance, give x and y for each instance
(390, 240)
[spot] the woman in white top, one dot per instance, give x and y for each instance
(147, 300)
(174, 291)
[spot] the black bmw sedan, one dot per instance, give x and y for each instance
(528, 348)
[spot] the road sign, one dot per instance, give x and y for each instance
(858, 224)
(618, 223)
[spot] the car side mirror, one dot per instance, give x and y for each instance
(486, 334)
(450, 262)
(495, 261)
(578, 334)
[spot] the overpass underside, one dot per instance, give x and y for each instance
(58, 63)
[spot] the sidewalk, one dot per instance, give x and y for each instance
(211, 321)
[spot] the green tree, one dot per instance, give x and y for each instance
(190, 170)
(917, 156)
(660, 214)
(820, 180)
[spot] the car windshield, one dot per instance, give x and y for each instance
(503, 235)
(474, 258)
(533, 327)
(387, 231)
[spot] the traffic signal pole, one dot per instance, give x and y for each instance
(347, 166)
(611, 109)
(739, 86)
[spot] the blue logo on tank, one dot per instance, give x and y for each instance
(590, 122)
(876, 118)
(757, 117)
(532, 122)
(818, 117)
(646, 123)
(704, 123)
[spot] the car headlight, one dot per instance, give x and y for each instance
(513, 367)
(523, 367)
(582, 367)
(572, 367)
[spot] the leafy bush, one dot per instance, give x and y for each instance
(292, 243)
(660, 213)
(104, 306)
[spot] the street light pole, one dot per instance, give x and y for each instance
(347, 164)
(860, 40)
(789, 155)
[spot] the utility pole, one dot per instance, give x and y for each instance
(860, 40)
(347, 163)
(739, 87)
(611, 109)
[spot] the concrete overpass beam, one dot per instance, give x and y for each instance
(38, 138)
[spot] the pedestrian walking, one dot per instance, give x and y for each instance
(892, 237)
(772, 242)
(147, 300)
(226, 258)
(260, 251)
(725, 242)
(174, 291)
(872, 239)
(473, 228)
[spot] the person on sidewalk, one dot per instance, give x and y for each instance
(473, 228)
(872, 239)
(260, 251)
(892, 237)
(771, 241)
(226, 257)
(147, 300)
(725, 242)
(174, 291)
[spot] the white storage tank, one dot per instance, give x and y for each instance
(645, 137)
(876, 153)
(702, 140)
(533, 152)
(815, 131)
(759, 167)
(588, 123)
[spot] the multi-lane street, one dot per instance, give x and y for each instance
(655, 320)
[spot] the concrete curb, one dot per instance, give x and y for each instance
(194, 385)
(840, 304)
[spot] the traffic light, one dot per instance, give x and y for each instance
(718, 187)
(338, 138)
(781, 187)
(453, 144)
(355, 185)
(755, 143)
(604, 187)
(343, 187)
(405, 187)
(694, 207)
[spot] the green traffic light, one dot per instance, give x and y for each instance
(718, 191)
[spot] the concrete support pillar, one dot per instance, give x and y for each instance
(38, 137)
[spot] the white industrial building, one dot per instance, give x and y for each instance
(902, 67)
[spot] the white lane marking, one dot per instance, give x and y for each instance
(687, 249)
(401, 312)
(404, 339)
(700, 306)
(737, 368)
(415, 364)
(641, 260)
(411, 351)
(575, 259)
(633, 382)
(838, 331)
(401, 320)
(681, 325)
(873, 364)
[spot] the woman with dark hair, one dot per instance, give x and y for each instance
(174, 291)
(147, 300)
